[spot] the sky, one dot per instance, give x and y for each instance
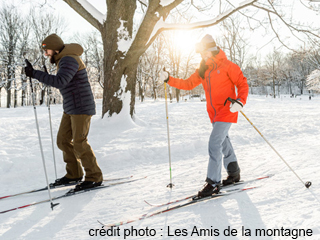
(75, 22)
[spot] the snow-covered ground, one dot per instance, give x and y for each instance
(124, 148)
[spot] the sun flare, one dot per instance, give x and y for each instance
(185, 40)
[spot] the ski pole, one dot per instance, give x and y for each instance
(306, 184)
(48, 102)
(40, 144)
(170, 185)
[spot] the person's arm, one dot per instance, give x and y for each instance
(240, 82)
(187, 84)
(68, 67)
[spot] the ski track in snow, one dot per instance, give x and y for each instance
(291, 125)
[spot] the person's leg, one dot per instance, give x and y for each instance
(217, 138)
(80, 130)
(65, 144)
(230, 160)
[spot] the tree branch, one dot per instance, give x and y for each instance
(143, 2)
(83, 12)
(203, 24)
(288, 25)
(209, 23)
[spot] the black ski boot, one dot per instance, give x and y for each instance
(231, 180)
(65, 181)
(208, 190)
(86, 185)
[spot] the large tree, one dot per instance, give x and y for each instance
(117, 28)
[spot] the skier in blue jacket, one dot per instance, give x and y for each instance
(78, 106)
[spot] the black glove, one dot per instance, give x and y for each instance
(164, 75)
(28, 69)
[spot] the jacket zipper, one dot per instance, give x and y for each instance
(215, 112)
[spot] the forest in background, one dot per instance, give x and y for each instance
(279, 72)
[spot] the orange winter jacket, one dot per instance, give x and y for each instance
(221, 78)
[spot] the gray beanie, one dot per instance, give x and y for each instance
(206, 44)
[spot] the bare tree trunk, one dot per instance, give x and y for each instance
(154, 88)
(273, 81)
(114, 68)
(178, 94)
(9, 83)
(9, 94)
(15, 94)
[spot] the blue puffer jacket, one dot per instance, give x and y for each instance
(71, 80)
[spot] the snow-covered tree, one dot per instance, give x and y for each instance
(313, 81)
(123, 46)
(274, 64)
(10, 29)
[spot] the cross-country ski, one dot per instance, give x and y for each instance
(57, 187)
(180, 205)
(222, 187)
(73, 193)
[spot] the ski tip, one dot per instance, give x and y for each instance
(100, 223)
(4, 197)
(268, 176)
(248, 188)
(147, 202)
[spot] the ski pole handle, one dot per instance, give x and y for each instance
(232, 101)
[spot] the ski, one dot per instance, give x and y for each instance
(181, 205)
(60, 186)
(73, 193)
(222, 188)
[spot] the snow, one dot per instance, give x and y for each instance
(93, 11)
(125, 148)
(124, 40)
(160, 24)
(164, 3)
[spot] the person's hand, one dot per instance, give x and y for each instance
(28, 69)
(236, 106)
(164, 75)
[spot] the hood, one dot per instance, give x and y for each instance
(217, 59)
(71, 49)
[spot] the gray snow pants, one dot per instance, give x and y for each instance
(220, 145)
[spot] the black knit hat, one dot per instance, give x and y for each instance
(53, 42)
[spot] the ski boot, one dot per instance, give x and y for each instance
(65, 181)
(231, 180)
(86, 185)
(209, 190)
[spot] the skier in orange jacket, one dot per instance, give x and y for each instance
(220, 79)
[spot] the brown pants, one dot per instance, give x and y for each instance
(72, 141)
